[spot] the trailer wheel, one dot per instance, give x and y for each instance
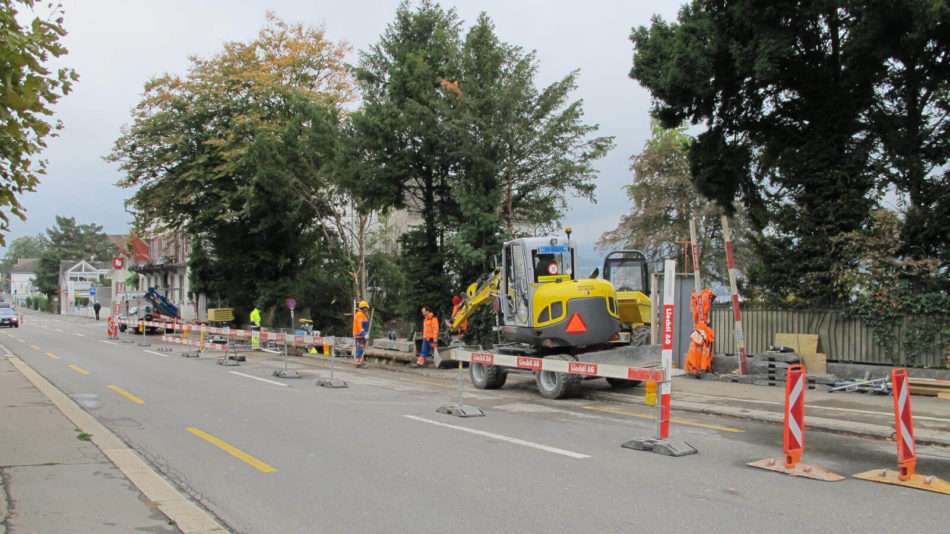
(623, 382)
(553, 385)
(487, 376)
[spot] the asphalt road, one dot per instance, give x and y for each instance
(265, 454)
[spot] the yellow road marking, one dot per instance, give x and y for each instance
(34, 347)
(126, 394)
(20, 340)
(677, 421)
(53, 356)
(10, 335)
(233, 451)
(79, 370)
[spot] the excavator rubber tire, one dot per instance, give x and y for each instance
(552, 385)
(487, 376)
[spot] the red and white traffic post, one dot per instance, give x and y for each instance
(793, 442)
(906, 447)
(734, 287)
(660, 443)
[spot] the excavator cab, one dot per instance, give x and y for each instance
(628, 272)
(544, 305)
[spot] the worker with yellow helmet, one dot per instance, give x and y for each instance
(360, 331)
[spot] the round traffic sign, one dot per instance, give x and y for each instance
(291, 303)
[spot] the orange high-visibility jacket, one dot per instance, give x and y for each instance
(360, 324)
(430, 327)
(455, 311)
(699, 304)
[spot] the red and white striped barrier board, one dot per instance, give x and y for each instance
(906, 451)
(793, 443)
(906, 448)
(559, 366)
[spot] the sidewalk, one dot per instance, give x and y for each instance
(67, 474)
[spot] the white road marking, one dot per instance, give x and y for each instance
(500, 437)
(259, 378)
(156, 353)
(108, 342)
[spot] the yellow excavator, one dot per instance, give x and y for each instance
(544, 310)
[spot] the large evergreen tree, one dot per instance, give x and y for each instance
(783, 90)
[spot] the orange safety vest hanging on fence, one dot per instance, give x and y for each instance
(699, 356)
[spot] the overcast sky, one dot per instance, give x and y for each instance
(117, 45)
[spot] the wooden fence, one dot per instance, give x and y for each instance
(840, 338)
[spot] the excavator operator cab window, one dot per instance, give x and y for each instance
(552, 263)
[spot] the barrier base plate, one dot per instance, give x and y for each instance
(461, 410)
(227, 362)
(923, 482)
(192, 354)
(286, 373)
(144, 344)
(666, 447)
(800, 469)
(335, 383)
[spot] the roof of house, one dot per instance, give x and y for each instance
(25, 265)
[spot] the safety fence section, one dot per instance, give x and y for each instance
(187, 329)
(560, 366)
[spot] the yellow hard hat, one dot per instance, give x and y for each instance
(363, 304)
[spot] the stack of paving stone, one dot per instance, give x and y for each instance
(771, 367)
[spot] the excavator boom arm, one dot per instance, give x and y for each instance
(475, 297)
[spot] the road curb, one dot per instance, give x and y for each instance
(186, 515)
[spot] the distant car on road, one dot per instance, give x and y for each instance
(8, 317)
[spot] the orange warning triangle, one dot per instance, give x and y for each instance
(576, 325)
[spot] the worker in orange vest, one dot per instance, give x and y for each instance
(699, 357)
(360, 331)
(430, 336)
(456, 304)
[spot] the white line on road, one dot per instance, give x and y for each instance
(108, 342)
(259, 378)
(156, 353)
(516, 441)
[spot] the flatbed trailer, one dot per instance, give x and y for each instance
(559, 375)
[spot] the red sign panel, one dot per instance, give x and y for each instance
(582, 368)
(529, 363)
(298, 339)
(667, 327)
(482, 357)
(118, 263)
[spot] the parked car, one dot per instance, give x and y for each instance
(8, 317)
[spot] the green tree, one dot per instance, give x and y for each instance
(68, 240)
(237, 152)
(911, 120)
(664, 199)
(783, 91)
(22, 248)
(28, 90)
(456, 132)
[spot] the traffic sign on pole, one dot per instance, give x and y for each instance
(291, 303)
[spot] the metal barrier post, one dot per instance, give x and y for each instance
(459, 409)
(661, 444)
(228, 350)
(144, 342)
(286, 373)
(332, 383)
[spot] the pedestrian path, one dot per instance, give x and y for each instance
(64, 472)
